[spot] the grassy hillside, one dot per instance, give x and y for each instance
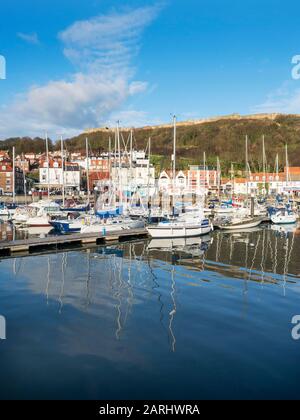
(224, 138)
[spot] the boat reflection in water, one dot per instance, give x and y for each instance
(189, 252)
(126, 321)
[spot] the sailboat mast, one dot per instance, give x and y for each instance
(232, 180)
(277, 172)
(264, 164)
(116, 173)
(62, 169)
(247, 165)
(109, 158)
(204, 168)
(287, 164)
(130, 162)
(14, 174)
(131, 144)
(120, 163)
(149, 157)
(87, 169)
(25, 183)
(48, 165)
(218, 175)
(174, 151)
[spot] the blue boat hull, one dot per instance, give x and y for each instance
(64, 227)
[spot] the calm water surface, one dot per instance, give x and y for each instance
(194, 319)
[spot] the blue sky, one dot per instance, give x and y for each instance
(74, 64)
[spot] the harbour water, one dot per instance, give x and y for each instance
(197, 319)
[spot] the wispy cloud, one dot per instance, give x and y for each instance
(30, 38)
(285, 99)
(109, 41)
(102, 51)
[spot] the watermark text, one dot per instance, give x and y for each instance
(296, 68)
(2, 328)
(296, 329)
(2, 68)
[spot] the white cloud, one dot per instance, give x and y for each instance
(285, 99)
(109, 41)
(101, 50)
(30, 38)
(70, 105)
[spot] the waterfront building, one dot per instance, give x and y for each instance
(200, 177)
(261, 183)
(7, 178)
(135, 173)
(195, 180)
(72, 175)
(165, 181)
(96, 178)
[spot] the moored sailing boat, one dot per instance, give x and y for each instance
(284, 216)
(181, 227)
(241, 223)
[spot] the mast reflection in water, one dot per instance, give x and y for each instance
(195, 318)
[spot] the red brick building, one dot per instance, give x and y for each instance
(6, 179)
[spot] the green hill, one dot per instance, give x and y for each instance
(223, 137)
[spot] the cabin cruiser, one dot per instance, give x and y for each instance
(37, 214)
(71, 225)
(237, 222)
(153, 215)
(75, 224)
(283, 216)
(185, 225)
(111, 224)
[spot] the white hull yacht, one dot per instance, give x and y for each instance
(284, 217)
(184, 226)
(237, 223)
(111, 225)
(37, 214)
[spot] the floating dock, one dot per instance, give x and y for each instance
(35, 245)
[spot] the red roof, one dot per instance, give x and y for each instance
(295, 170)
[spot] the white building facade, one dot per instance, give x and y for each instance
(135, 173)
(72, 175)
